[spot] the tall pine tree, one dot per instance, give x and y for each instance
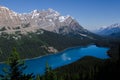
(15, 68)
(49, 73)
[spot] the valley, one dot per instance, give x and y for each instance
(31, 36)
(50, 46)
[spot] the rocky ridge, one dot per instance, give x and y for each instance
(50, 20)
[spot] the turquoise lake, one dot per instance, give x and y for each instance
(37, 65)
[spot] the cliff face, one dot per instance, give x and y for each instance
(50, 20)
(8, 18)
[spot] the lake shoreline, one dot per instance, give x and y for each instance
(65, 57)
(59, 52)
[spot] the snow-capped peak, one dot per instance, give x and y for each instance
(51, 10)
(49, 20)
(116, 25)
(2, 7)
(108, 30)
(12, 13)
(101, 28)
(62, 18)
(35, 11)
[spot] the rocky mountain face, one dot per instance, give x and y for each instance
(40, 32)
(8, 18)
(112, 30)
(50, 20)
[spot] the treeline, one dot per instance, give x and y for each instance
(31, 45)
(91, 68)
(24, 45)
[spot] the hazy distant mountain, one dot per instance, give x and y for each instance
(112, 30)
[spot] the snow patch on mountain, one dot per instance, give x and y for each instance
(62, 18)
(109, 30)
(3, 7)
(49, 20)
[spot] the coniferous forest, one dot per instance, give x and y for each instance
(86, 68)
(59, 39)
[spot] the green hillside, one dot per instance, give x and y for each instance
(36, 44)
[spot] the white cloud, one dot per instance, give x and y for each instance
(65, 57)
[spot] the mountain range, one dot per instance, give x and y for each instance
(50, 20)
(111, 31)
(39, 33)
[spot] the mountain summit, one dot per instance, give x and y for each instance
(112, 30)
(109, 30)
(8, 18)
(49, 20)
(40, 32)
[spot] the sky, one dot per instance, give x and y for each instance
(91, 14)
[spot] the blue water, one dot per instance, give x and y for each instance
(37, 66)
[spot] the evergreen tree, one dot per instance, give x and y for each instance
(15, 68)
(49, 73)
(38, 77)
(0, 51)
